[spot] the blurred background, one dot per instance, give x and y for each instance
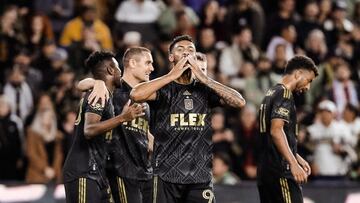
(43, 45)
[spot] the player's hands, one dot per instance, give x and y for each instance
(135, 110)
(304, 164)
(298, 173)
(49, 172)
(100, 92)
(179, 68)
(196, 70)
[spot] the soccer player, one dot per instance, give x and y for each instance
(180, 107)
(131, 173)
(84, 169)
(281, 169)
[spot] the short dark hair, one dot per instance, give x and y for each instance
(131, 52)
(301, 62)
(200, 56)
(95, 61)
(178, 39)
(224, 157)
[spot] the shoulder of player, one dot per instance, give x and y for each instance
(279, 92)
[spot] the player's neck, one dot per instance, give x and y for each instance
(109, 85)
(289, 82)
(130, 79)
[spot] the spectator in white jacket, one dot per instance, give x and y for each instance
(332, 141)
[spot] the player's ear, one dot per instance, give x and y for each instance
(110, 70)
(171, 57)
(132, 63)
(297, 74)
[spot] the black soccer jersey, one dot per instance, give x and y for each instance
(87, 157)
(180, 124)
(278, 103)
(129, 149)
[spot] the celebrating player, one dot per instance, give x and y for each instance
(84, 169)
(180, 109)
(281, 169)
(131, 175)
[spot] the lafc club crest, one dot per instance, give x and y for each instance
(189, 105)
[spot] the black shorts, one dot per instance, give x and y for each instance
(85, 190)
(279, 190)
(126, 190)
(166, 192)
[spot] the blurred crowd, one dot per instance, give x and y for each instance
(43, 45)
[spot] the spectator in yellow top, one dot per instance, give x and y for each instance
(73, 31)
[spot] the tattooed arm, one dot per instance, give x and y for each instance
(228, 95)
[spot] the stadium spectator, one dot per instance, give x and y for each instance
(18, 92)
(212, 16)
(167, 19)
(160, 56)
(309, 21)
(44, 147)
(206, 41)
(67, 128)
(63, 93)
(246, 13)
(11, 145)
(59, 12)
(285, 15)
(343, 89)
(242, 49)
(351, 119)
(56, 65)
(39, 31)
(222, 137)
(325, 7)
(279, 62)
(33, 76)
(246, 134)
(337, 24)
(257, 85)
(184, 25)
(138, 15)
(9, 39)
(315, 46)
(330, 139)
(221, 170)
(287, 37)
(86, 22)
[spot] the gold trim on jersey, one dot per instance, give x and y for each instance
(285, 190)
(78, 119)
(82, 190)
(122, 191)
(155, 189)
(262, 118)
(287, 93)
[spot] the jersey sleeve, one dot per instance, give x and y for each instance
(163, 94)
(282, 105)
(96, 109)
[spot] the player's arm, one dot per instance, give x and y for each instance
(304, 164)
(100, 92)
(228, 95)
(93, 126)
(279, 138)
(146, 91)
